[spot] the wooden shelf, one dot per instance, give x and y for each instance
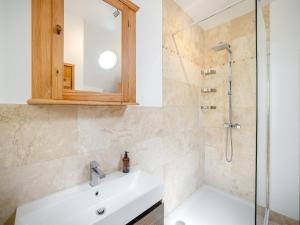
(71, 102)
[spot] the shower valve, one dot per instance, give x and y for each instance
(230, 125)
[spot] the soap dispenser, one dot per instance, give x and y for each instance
(126, 163)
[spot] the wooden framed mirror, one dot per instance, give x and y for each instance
(83, 52)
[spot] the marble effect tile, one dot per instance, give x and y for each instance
(63, 140)
(237, 177)
(177, 142)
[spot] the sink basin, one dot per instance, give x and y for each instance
(116, 201)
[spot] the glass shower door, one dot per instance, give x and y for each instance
(263, 111)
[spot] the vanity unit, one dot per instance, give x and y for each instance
(131, 199)
(83, 52)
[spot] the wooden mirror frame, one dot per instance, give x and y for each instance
(48, 57)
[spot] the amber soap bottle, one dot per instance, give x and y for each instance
(126, 163)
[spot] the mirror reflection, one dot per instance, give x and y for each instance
(92, 46)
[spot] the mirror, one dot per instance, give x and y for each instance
(84, 52)
(92, 46)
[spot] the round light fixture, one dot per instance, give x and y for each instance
(108, 60)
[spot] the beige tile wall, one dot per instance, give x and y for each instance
(237, 177)
(44, 149)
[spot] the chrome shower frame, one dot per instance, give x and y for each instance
(259, 5)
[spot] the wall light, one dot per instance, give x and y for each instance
(108, 60)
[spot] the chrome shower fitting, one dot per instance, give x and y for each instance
(208, 107)
(235, 125)
(229, 125)
(116, 13)
(209, 71)
(208, 90)
(222, 46)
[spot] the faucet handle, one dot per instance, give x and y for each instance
(94, 164)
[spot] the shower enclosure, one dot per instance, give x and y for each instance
(263, 113)
(224, 54)
(242, 65)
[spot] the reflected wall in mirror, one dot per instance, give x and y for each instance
(92, 46)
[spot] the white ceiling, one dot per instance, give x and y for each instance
(200, 9)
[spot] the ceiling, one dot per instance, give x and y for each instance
(200, 9)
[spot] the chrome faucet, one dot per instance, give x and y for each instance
(96, 174)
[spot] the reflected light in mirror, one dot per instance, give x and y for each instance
(108, 60)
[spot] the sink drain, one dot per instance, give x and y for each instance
(100, 211)
(179, 222)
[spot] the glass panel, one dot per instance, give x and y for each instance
(263, 54)
(92, 46)
(278, 112)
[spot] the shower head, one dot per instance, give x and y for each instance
(222, 46)
(116, 13)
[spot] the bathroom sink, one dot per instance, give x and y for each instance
(116, 201)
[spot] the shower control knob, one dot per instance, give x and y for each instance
(227, 125)
(235, 125)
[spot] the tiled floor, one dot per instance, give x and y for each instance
(209, 206)
(276, 219)
(273, 223)
(260, 221)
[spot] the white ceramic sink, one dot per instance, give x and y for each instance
(124, 197)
